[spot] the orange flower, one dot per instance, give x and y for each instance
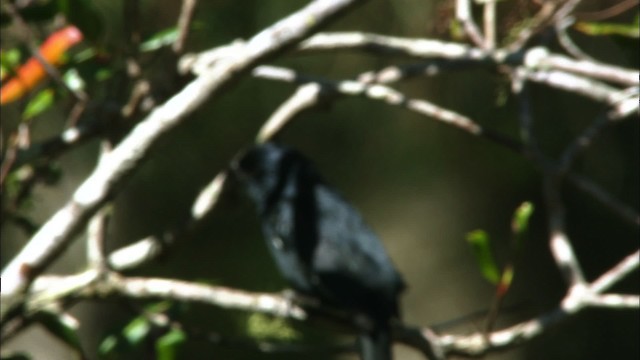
(32, 72)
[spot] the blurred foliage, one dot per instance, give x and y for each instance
(481, 246)
(62, 327)
(520, 223)
(261, 326)
(152, 326)
(40, 102)
(481, 243)
(631, 30)
(160, 39)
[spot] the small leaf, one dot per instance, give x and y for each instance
(505, 281)
(73, 80)
(41, 102)
(262, 326)
(604, 29)
(9, 61)
(84, 55)
(520, 222)
(115, 345)
(480, 244)
(168, 345)
(108, 346)
(160, 39)
(134, 333)
(103, 74)
(137, 330)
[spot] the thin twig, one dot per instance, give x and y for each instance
(619, 271)
(393, 45)
(565, 40)
(184, 24)
(582, 141)
(135, 255)
(541, 19)
(97, 227)
(613, 10)
(49, 288)
(306, 96)
(624, 211)
(541, 58)
(489, 20)
(464, 16)
(389, 96)
(96, 234)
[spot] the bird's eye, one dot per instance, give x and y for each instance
(250, 166)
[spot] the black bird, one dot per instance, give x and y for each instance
(320, 242)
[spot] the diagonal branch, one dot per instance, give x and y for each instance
(118, 166)
(378, 92)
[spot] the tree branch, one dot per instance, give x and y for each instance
(56, 234)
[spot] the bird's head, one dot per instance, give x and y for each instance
(265, 170)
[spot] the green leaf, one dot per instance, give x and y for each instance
(159, 307)
(41, 102)
(137, 330)
(73, 80)
(84, 55)
(61, 326)
(109, 346)
(93, 64)
(520, 221)
(168, 345)
(104, 74)
(261, 326)
(9, 62)
(480, 244)
(521, 216)
(160, 39)
(134, 333)
(505, 281)
(114, 345)
(604, 28)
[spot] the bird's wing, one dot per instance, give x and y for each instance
(350, 251)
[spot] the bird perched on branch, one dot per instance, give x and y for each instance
(320, 243)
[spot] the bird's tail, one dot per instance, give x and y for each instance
(376, 345)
